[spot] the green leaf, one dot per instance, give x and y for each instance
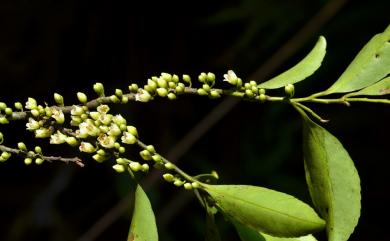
(370, 65)
(266, 210)
(300, 71)
(333, 180)
(248, 234)
(381, 87)
(143, 224)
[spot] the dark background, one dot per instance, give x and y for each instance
(66, 46)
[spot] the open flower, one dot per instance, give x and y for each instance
(106, 141)
(58, 138)
(231, 77)
(58, 115)
(32, 124)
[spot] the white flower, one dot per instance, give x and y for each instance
(86, 147)
(119, 120)
(114, 130)
(31, 103)
(230, 77)
(32, 124)
(106, 141)
(58, 138)
(128, 138)
(42, 133)
(105, 118)
(103, 109)
(58, 115)
(143, 96)
(77, 110)
(87, 129)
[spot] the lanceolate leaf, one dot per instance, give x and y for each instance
(143, 224)
(248, 234)
(370, 65)
(333, 181)
(300, 71)
(266, 210)
(381, 87)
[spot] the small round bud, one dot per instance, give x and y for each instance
(186, 78)
(3, 106)
(116, 145)
(152, 84)
(101, 152)
(162, 92)
(145, 154)
(202, 77)
(132, 130)
(247, 86)
(156, 158)
(169, 166)
(122, 149)
(118, 92)
(215, 174)
(27, 161)
(255, 89)
(145, 167)
(166, 76)
(206, 87)
(175, 78)
(59, 99)
(178, 182)
(99, 89)
(35, 112)
(38, 149)
(171, 96)
(8, 111)
(18, 106)
(72, 141)
(201, 92)
(5, 155)
(82, 97)
(22, 146)
(162, 83)
(249, 93)
(261, 91)
(3, 120)
(38, 161)
(289, 89)
(187, 186)
(262, 98)
(133, 88)
(195, 185)
(172, 85)
(210, 77)
(253, 83)
(168, 177)
(179, 89)
(122, 161)
(214, 94)
(239, 82)
(114, 99)
(119, 168)
(151, 149)
(125, 99)
(99, 158)
(135, 166)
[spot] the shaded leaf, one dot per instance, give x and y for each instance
(369, 66)
(381, 87)
(266, 210)
(300, 71)
(143, 223)
(248, 234)
(333, 180)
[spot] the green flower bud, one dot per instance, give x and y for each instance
(42, 133)
(8, 111)
(261, 91)
(41, 110)
(3, 106)
(94, 115)
(187, 186)
(132, 130)
(175, 78)
(135, 166)
(262, 98)
(211, 77)
(35, 112)
(168, 177)
(125, 99)
(5, 155)
(123, 127)
(101, 152)
(167, 77)
(38, 161)
(114, 99)
(122, 149)
(289, 89)
(31, 104)
(145, 154)
(152, 84)
(133, 88)
(171, 96)
(162, 83)
(201, 92)
(18, 106)
(148, 89)
(172, 85)
(82, 97)
(122, 161)
(253, 83)
(22, 146)
(86, 147)
(178, 182)
(214, 94)
(239, 83)
(187, 79)
(255, 89)
(231, 77)
(72, 141)
(38, 149)
(206, 87)
(151, 149)
(195, 185)
(118, 92)
(59, 99)
(249, 93)
(27, 161)
(48, 112)
(202, 77)
(247, 86)
(162, 92)
(169, 166)
(119, 168)
(157, 158)
(179, 89)
(99, 158)
(3, 120)
(145, 167)
(99, 89)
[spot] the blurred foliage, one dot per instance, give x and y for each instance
(65, 46)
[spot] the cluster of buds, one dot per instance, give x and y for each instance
(6, 112)
(178, 181)
(31, 155)
(208, 81)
